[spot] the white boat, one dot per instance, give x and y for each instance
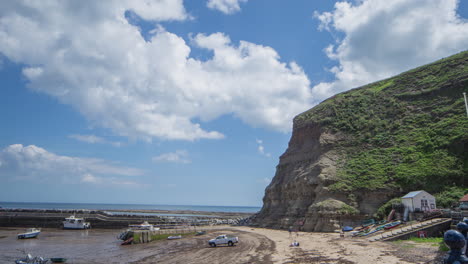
(31, 260)
(73, 222)
(30, 233)
(144, 226)
(174, 237)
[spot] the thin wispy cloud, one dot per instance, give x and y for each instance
(261, 148)
(264, 181)
(32, 163)
(92, 139)
(179, 156)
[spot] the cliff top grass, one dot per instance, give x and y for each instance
(408, 132)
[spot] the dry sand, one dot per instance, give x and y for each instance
(257, 245)
(331, 248)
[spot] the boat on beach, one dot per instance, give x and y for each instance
(144, 226)
(58, 260)
(73, 222)
(392, 225)
(31, 260)
(174, 237)
(127, 242)
(30, 233)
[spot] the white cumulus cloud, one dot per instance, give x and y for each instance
(179, 156)
(86, 54)
(382, 38)
(37, 164)
(226, 6)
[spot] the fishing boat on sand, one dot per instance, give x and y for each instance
(30, 233)
(144, 226)
(58, 260)
(174, 237)
(392, 225)
(127, 242)
(31, 260)
(73, 222)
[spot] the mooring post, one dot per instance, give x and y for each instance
(455, 241)
(462, 227)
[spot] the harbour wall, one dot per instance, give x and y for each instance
(99, 219)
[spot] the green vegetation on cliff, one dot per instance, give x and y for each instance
(408, 132)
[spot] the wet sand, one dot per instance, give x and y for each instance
(256, 245)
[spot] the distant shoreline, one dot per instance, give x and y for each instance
(141, 208)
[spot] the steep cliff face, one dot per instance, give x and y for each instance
(298, 194)
(357, 150)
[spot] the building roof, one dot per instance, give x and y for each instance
(464, 198)
(412, 194)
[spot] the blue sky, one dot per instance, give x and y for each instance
(187, 102)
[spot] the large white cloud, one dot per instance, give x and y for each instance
(89, 56)
(225, 6)
(383, 38)
(37, 164)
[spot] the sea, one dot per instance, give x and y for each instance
(123, 207)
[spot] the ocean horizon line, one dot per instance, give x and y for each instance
(118, 206)
(204, 205)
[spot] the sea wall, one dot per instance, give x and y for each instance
(100, 219)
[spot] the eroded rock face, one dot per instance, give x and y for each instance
(298, 195)
(401, 134)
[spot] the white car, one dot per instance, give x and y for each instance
(222, 240)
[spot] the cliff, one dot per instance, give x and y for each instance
(355, 151)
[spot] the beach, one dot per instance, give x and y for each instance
(257, 245)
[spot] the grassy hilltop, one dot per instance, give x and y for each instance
(405, 133)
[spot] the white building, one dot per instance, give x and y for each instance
(419, 201)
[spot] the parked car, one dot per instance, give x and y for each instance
(223, 240)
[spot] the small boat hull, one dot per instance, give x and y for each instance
(31, 233)
(75, 228)
(127, 242)
(25, 236)
(58, 260)
(392, 225)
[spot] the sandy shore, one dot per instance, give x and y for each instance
(257, 245)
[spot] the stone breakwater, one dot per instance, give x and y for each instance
(104, 219)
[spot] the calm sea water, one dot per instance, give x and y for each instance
(123, 207)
